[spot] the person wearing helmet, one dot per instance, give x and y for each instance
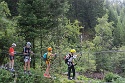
(71, 56)
(27, 52)
(48, 60)
(11, 56)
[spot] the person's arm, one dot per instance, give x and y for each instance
(31, 52)
(25, 53)
(53, 55)
(75, 56)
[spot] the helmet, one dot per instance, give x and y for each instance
(73, 50)
(28, 43)
(49, 49)
(13, 44)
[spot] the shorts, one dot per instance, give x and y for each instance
(27, 58)
(11, 57)
(47, 61)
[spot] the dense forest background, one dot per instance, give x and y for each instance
(95, 28)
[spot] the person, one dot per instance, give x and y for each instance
(27, 52)
(71, 56)
(48, 60)
(11, 57)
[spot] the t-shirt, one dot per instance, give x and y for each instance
(49, 57)
(71, 57)
(11, 51)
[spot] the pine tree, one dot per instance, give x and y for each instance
(87, 12)
(103, 41)
(40, 18)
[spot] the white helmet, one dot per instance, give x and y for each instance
(13, 44)
(28, 43)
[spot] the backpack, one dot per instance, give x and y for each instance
(45, 56)
(25, 49)
(67, 58)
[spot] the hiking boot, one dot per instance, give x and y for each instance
(45, 75)
(24, 71)
(49, 76)
(9, 69)
(29, 72)
(12, 70)
(73, 78)
(6, 68)
(69, 78)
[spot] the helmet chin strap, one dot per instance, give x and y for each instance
(71, 53)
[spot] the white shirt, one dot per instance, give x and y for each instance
(71, 58)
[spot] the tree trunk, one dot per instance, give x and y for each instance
(34, 52)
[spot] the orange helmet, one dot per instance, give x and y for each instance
(49, 49)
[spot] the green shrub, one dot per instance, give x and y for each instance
(88, 80)
(110, 77)
(67, 81)
(20, 77)
(5, 76)
(35, 77)
(119, 80)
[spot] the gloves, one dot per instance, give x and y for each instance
(15, 52)
(55, 56)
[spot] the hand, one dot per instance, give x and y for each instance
(55, 54)
(14, 52)
(74, 56)
(75, 64)
(26, 53)
(31, 52)
(11, 53)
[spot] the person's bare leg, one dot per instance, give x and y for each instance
(25, 65)
(28, 67)
(48, 69)
(46, 72)
(28, 64)
(12, 64)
